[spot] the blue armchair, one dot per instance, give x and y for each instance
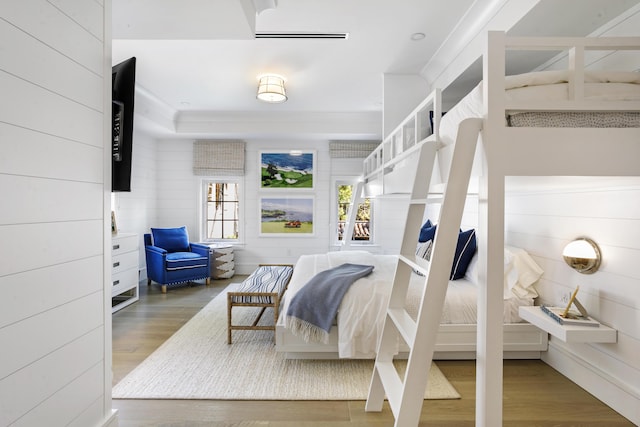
(172, 259)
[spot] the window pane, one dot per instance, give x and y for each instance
(222, 212)
(363, 215)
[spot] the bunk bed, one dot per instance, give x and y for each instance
(589, 145)
(388, 170)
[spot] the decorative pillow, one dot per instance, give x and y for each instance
(465, 249)
(427, 232)
(171, 239)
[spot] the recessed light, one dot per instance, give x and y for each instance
(418, 36)
(185, 103)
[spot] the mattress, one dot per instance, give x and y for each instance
(361, 314)
(546, 86)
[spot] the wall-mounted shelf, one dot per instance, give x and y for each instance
(568, 333)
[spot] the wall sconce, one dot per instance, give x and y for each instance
(271, 89)
(583, 255)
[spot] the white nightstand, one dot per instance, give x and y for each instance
(567, 333)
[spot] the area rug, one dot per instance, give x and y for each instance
(197, 363)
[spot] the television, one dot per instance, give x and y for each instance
(122, 106)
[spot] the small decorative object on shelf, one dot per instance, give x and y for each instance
(571, 318)
(566, 316)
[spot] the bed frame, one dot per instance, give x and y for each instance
(511, 151)
(454, 342)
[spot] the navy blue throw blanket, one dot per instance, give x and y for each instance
(313, 308)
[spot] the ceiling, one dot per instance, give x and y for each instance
(198, 60)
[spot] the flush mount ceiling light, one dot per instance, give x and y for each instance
(271, 89)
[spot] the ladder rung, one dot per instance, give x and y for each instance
(392, 383)
(404, 323)
(418, 264)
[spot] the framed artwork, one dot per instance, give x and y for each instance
(114, 227)
(286, 216)
(287, 170)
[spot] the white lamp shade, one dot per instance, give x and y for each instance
(271, 89)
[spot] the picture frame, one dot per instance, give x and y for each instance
(114, 227)
(289, 216)
(287, 170)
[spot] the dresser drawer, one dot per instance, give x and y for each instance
(124, 280)
(124, 262)
(124, 243)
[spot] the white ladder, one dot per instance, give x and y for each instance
(356, 200)
(406, 395)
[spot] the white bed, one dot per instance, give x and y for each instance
(360, 318)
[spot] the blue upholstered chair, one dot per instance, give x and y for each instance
(172, 259)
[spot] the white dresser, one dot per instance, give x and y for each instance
(124, 272)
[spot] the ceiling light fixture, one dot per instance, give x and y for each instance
(271, 88)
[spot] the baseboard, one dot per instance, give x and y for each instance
(111, 420)
(622, 397)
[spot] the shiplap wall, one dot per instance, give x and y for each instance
(54, 332)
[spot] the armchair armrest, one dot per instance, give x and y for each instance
(155, 250)
(200, 249)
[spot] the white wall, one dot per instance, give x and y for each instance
(55, 330)
(137, 210)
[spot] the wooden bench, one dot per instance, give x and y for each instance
(263, 288)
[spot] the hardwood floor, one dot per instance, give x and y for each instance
(534, 393)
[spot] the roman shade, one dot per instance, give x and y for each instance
(218, 158)
(351, 149)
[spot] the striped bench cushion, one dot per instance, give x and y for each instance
(266, 278)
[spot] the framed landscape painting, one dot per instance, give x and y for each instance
(287, 170)
(290, 216)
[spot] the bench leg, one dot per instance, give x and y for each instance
(229, 307)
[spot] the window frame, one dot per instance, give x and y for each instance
(204, 184)
(353, 181)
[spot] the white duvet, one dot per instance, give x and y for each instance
(362, 312)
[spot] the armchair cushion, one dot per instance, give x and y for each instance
(182, 260)
(171, 239)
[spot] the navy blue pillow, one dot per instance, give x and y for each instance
(465, 249)
(171, 239)
(427, 232)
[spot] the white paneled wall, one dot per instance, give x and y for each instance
(54, 326)
(136, 211)
(542, 220)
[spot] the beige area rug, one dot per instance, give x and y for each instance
(197, 363)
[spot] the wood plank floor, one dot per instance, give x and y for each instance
(534, 393)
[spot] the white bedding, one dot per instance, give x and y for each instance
(361, 314)
(535, 86)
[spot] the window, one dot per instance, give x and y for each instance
(362, 226)
(222, 210)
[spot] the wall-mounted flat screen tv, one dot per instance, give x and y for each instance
(123, 98)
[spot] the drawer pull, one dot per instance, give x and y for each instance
(116, 247)
(116, 264)
(116, 283)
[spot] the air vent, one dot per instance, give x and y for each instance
(341, 36)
